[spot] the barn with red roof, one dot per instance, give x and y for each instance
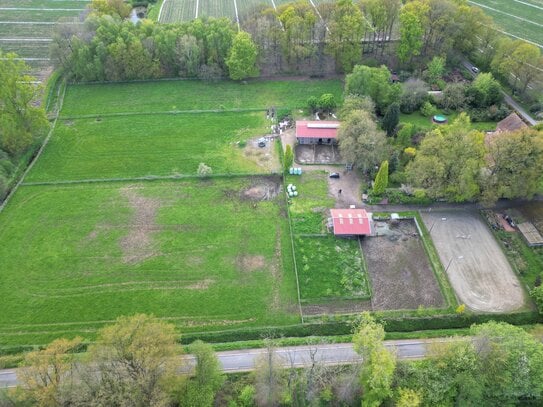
(351, 222)
(316, 132)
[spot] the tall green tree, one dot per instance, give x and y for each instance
(21, 121)
(484, 91)
(373, 82)
(361, 142)
(207, 379)
(436, 69)
(242, 59)
(378, 363)
(381, 179)
(514, 165)
(449, 161)
(413, 16)
(391, 118)
(518, 62)
(346, 29)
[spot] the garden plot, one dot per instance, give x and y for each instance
(203, 254)
(401, 275)
(477, 268)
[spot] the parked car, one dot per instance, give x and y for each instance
(475, 69)
(334, 175)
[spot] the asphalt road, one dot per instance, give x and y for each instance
(295, 356)
(508, 99)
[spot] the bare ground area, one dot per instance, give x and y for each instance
(533, 212)
(337, 307)
(265, 157)
(262, 189)
(138, 245)
(401, 275)
(476, 266)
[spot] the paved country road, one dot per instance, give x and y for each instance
(295, 356)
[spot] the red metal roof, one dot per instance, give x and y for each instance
(317, 129)
(351, 222)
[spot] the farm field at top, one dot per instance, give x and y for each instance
(521, 18)
(193, 95)
(198, 253)
(79, 4)
(147, 145)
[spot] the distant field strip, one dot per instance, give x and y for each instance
(520, 19)
(178, 10)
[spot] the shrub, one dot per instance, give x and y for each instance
(428, 109)
(404, 135)
(415, 93)
(312, 103)
(204, 170)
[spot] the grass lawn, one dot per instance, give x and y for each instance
(425, 123)
(136, 146)
(329, 268)
(197, 253)
(193, 95)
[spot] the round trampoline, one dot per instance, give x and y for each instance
(440, 119)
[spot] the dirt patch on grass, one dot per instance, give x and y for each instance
(138, 244)
(400, 272)
(262, 189)
(249, 263)
(264, 157)
(475, 264)
(200, 285)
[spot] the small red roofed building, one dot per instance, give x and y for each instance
(351, 222)
(316, 132)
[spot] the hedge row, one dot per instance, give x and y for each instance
(392, 324)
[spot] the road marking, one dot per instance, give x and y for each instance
(503, 12)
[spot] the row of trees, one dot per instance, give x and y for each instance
(105, 48)
(137, 362)
(296, 37)
(21, 121)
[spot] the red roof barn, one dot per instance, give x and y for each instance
(317, 132)
(351, 222)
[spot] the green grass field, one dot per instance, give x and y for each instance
(193, 95)
(425, 123)
(521, 18)
(147, 145)
(197, 253)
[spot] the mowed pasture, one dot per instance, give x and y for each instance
(190, 95)
(203, 254)
(149, 145)
(522, 19)
(474, 262)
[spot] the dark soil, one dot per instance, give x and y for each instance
(400, 273)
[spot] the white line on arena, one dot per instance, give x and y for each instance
(507, 14)
(197, 7)
(39, 9)
(273, 4)
(528, 4)
(237, 17)
(26, 39)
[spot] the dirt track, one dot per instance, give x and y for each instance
(476, 266)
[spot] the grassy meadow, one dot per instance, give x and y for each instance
(200, 253)
(148, 145)
(186, 95)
